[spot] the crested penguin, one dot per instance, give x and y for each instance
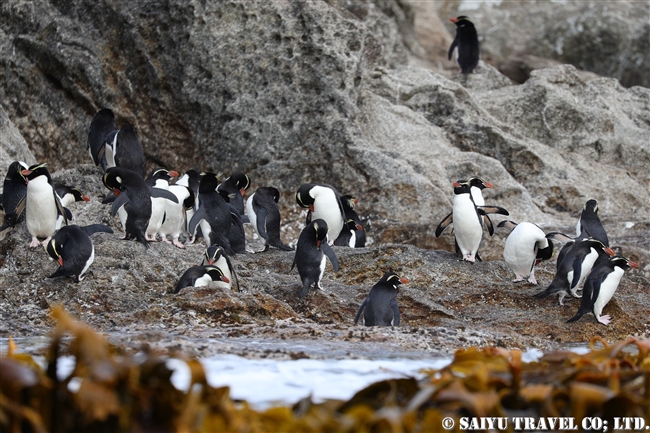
(200, 276)
(380, 307)
(101, 126)
(72, 248)
(215, 255)
(123, 149)
(466, 41)
(13, 193)
(264, 216)
(525, 247)
(324, 202)
(312, 251)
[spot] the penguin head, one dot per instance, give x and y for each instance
(189, 202)
(54, 249)
(477, 182)
(461, 21)
(595, 243)
(208, 182)
(217, 274)
(162, 173)
(304, 198)
(348, 202)
(240, 181)
(37, 170)
(15, 171)
(461, 187)
(273, 192)
(392, 279)
(212, 254)
(78, 195)
(352, 225)
(320, 230)
(112, 180)
(623, 262)
(591, 206)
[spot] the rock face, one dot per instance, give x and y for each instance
(296, 92)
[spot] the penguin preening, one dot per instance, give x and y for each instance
(589, 224)
(13, 193)
(215, 255)
(525, 247)
(575, 266)
(159, 180)
(600, 286)
(101, 126)
(380, 307)
(72, 248)
(44, 213)
(351, 233)
(324, 202)
(466, 41)
(235, 186)
(69, 194)
(123, 149)
(312, 251)
(200, 276)
(264, 216)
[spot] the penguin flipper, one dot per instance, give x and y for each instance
(510, 225)
(577, 270)
(444, 223)
(395, 308)
(68, 213)
(198, 216)
(163, 193)
(262, 214)
(361, 308)
(488, 224)
(20, 207)
(329, 252)
(96, 228)
(245, 219)
(560, 237)
(120, 201)
(452, 47)
(589, 295)
(484, 210)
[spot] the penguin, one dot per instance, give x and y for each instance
(213, 214)
(159, 179)
(575, 266)
(349, 203)
(600, 286)
(237, 235)
(264, 216)
(466, 41)
(175, 222)
(589, 224)
(380, 307)
(133, 201)
(191, 180)
(526, 247)
(200, 276)
(215, 255)
(101, 126)
(235, 186)
(69, 194)
(311, 253)
(123, 149)
(324, 202)
(44, 213)
(13, 193)
(348, 236)
(467, 219)
(72, 248)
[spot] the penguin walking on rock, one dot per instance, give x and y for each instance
(200, 276)
(323, 202)
(466, 41)
(72, 248)
(13, 193)
(123, 149)
(575, 266)
(264, 216)
(600, 286)
(69, 194)
(526, 247)
(44, 213)
(101, 126)
(215, 255)
(380, 307)
(589, 224)
(311, 254)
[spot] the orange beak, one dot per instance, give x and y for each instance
(610, 252)
(211, 261)
(225, 279)
(633, 265)
(487, 185)
(311, 207)
(453, 20)
(173, 173)
(85, 198)
(60, 260)
(242, 191)
(403, 280)
(455, 184)
(116, 192)
(359, 227)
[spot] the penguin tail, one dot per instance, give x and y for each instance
(578, 315)
(284, 247)
(96, 228)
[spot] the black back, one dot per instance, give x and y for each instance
(266, 209)
(14, 191)
(214, 209)
(102, 124)
(380, 307)
(309, 254)
(73, 245)
(466, 41)
(349, 203)
(129, 152)
(590, 224)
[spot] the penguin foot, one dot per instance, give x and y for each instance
(46, 241)
(469, 258)
(604, 319)
(177, 243)
(35, 243)
(518, 279)
(532, 280)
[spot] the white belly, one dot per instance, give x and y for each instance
(467, 226)
(175, 217)
(90, 261)
(520, 252)
(607, 289)
(40, 208)
(203, 281)
(326, 207)
(223, 265)
(252, 217)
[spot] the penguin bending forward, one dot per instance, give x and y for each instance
(324, 202)
(264, 216)
(311, 253)
(200, 276)
(380, 307)
(525, 247)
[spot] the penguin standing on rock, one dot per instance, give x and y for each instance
(123, 149)
(235, 186)
(466, 41)
(44, 213)
(13, 193)
(380, 307)
(348, 236)
(600, 286)
(101, 126)
(215, 255)
(525, 247)
(311, 253)
(324, 202)
(589, 224)
(159, 180)
(264, 216)
(357, 232)
(200, 276)
(72, 248)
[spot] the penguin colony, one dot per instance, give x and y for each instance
(199, 205)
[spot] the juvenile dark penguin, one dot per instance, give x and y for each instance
(600, 286)
(235, 186)
(44, 213)
(213, 214)
(589, 224)
(133, 201)
(215, 255)
(349, 203)
(13, 193)
(380, 307)
(72, 248)
(199, 276)
(69, 194)
(311, 254)
(123, 149)
(264, 216)
(466, 41)
(575, 266)
(525, 247)
(324, 202)
(101, 126)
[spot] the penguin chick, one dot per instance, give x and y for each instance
(69, 194)
(575, 266)
(44, 213)
(215, 255)
(589, 224)
(199, 276)
(13, 193)
(525, 247)
(264, 216)
(324, 202)
(380, 307)
(600, 286)
(72, 248)
(101, 126)
(466, 41)
(311, 253)
(123, 149)
(349, 204)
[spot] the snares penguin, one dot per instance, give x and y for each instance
(235, 186)
(324, 202)
(264, 216)
(101, 126)
(159, 180)
(191, 180)
(525, 247)
(123, 149)
(466, 41)
(348, 236)
(215, 255)
(312, 251)
(44, 213)
(200, 276)
(213, 214)
(575, 266)
(589, 224)
(380, 307)
(349, 203)
(69, 194)
(13, 193)
(175, 222)
(600, 286)
(72, 248)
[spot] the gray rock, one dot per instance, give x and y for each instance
(13, 146)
